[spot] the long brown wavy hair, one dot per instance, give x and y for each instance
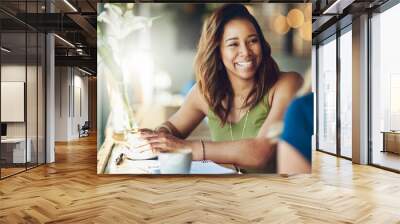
(212, 77)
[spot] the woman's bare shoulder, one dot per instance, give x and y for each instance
(290, 77)
(287, 81)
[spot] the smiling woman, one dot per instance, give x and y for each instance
(240, 89)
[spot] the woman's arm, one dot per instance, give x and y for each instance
(189, 115)
(253, 152)
(245, 153)
(249, 153)
(290, 161)
(256, 152)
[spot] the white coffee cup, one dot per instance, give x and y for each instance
(176, 162)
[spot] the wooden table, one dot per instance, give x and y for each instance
(109, 152)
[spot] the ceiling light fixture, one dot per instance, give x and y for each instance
(84, 71)
(5, 50)
(70, 5)
(64, 40)
(337, 7)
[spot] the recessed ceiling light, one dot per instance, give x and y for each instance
(84, 71)
(337, 7)
(5, 50)
(70, 5)
(64, 40)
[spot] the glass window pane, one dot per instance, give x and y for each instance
(385, 89)
(346, 94)
(327, 97)
(23, 84)
(14, 153)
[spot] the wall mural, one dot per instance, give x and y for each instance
(204, 88)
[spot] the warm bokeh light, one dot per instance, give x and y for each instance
(308, 12)
(305, 31)
(280, 25)
(295, 18)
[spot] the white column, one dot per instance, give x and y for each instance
(360, 90)
(50, 92)
(50, 99)
(314, 90)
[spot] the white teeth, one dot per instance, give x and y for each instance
(245, 64)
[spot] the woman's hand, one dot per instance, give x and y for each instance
(146, 131)
(162, 142)
(142, 131)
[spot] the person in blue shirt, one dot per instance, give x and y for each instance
(294, 147)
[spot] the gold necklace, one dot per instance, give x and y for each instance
(245, 121)
(244, 126)
(241, 136)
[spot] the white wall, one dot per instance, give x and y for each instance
(15, 73)
(62, 81)
(80, 100)
(71, 94)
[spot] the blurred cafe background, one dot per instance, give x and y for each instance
(154, 45)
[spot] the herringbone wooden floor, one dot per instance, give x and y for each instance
(69, 191)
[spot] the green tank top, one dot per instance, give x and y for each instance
(255, 119)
